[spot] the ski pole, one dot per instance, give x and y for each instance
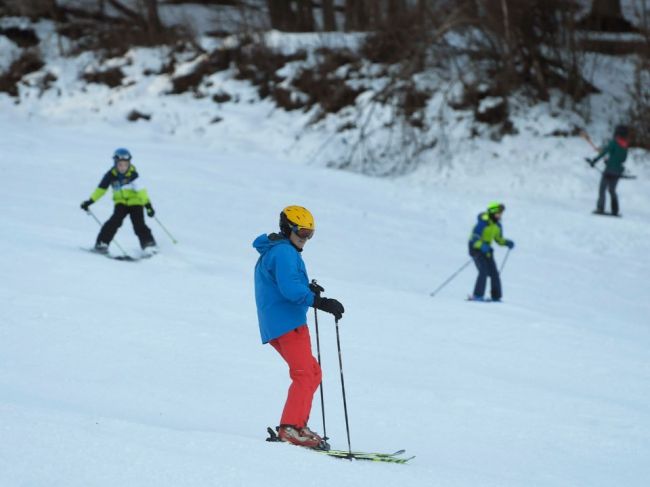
(322, 398)
(585, 136)
(503, 264)
(622, 176)
(166, 231)
(116, 242)
(345, 405)
(451, 278)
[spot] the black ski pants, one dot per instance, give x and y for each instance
(486, 268)
(608, 183)
(109, 229)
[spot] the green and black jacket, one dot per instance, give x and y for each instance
(127, 188)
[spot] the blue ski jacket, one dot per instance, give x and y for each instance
(282, 291)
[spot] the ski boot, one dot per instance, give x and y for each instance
(301, 437)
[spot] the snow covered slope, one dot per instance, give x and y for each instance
(152, 373)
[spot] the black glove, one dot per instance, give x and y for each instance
(329, 306)
(316, 288)
(591, 162)
(86, 204)
(150, 211)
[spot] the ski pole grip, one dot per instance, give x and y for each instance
(316, 288)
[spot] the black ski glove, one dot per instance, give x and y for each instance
(329, 306)
(316, 288)
(150, 211)
(86, 204)
(591, 162)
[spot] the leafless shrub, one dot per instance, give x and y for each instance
(21, 37)
(527, 46)
(110, 77)
(217, 60)
(259, 64)
(407, 42)
(34, 9)
(28, 62)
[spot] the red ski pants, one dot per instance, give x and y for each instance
(305, 373)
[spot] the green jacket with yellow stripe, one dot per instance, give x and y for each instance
(127, 188)
(486, 230)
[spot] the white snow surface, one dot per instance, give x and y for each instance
(152, 373)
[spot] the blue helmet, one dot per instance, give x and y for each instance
(121, 154)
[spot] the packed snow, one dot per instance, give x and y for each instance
(151, 373)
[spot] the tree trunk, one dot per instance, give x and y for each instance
(395, 8)
(53, 7)
(606, 15)
(606, 8)
(305, 16)
(282, 16)
(154, 26)
(329, 18)
(356, 15)
(350, 17)
(375, 14)
(277, 13)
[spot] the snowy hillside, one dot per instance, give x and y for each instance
(152, 373)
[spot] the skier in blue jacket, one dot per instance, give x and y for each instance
(283, 295)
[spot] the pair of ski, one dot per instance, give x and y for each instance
(395, 457)
(124, 257)
(604, 213)
(484, 300)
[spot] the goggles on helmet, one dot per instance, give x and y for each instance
(121, 155)
(302, 232)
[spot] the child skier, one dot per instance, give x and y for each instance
(130, 198)
(487, 229)
(616, 151)
(283, 295)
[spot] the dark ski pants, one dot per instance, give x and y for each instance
(486, 268)
(305, 373)
(608, 183)
(109, 229)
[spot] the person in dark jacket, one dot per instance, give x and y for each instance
(283, 295)
(616, 153)
(130, 198)
(487, 229)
